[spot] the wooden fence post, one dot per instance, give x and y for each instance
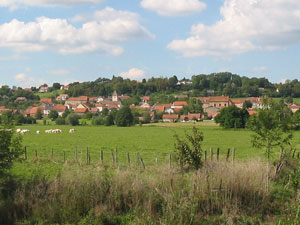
(89, 159)
(52, 153)
(211, 154)
(116, 156)
(170, 160)
(228, 154)
(128, 159)
(76, 154)
(25, 153)
(141, 161)
(87, 155)
(101, 157)
(218, 154)
(36, 154)
(233, 154)
(64, 156)
(205, 155)
(298, 155)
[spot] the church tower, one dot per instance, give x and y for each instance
(115, 96)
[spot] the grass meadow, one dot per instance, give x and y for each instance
(149, 141)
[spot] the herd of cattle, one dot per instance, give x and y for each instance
(51, 131)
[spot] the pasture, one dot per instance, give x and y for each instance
(148, 141)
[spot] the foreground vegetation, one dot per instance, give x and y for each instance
(219, 193)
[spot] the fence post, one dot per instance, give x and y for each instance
(87, 155)
(218, 154)
(101, 157)
(211, 154)
(128, 159)
(228, 154)
(113, 157)
(25, 153)
(170, 160)
(298, 155)
(64, 156)
(52, 153)
(116, 156)
(36, 154)
(89, 159)
(233, 154)
(138, 159)
(205, 155)
(141, 160)
(76, 154)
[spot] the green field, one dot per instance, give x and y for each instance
(148, 141)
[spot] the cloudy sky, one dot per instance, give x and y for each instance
(46, 41)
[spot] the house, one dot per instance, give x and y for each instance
(178, 105)
(21, 99)
(60, 109)
(62, 97)
(33, 110)
(44, 89)
(219, 101)
(169, 117)
(204, 101)
(123, 97)
(212, 111)
(145, 99)
(191, 117)
(294, 107)
(168, 108)
(238, 102)
(100, 99)
(64, 87)
(256, 102)
(251, 112)
(93, 99)
(145, 106)
(80, 111)
(3, 109)
(83, 106)
(46, 101)
(47, 109)
(27, 89)
(109, 105)
(77, 100)
(94, 110)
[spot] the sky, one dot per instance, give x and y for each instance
(47, 41)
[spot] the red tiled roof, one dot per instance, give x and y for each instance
(177, 109)
(160, 108)
(167, 105)
(170, 116)
(180, 103)
(203, 99)
(124, 97)
(81, 98)
(80, 110)
(219, 99)
(146, 98)
(21, 99)
(34, 110)
(238, 101)
(252, 112)
(46, 100)
(94, 110)
(194, 115)
(92, 99)
(59, 108)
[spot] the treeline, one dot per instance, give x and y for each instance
(216, 84)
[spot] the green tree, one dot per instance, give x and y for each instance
(72, 119)
(38, 115)
(272, 127)
(124, 117)
(53, 115)
(189, 150)
(10, 147)
(56, 86)
(232, 117)
(109, 120)
(247, 104)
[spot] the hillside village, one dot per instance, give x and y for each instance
(170, 112)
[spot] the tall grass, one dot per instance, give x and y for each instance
(159, 195)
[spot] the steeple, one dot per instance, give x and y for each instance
(115, 96)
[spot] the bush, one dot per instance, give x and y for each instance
(124, 117)
(97, 120)
(189, 151)
(72, 119)
(60, 121)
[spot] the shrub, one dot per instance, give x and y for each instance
(189, 151)
(72, 119)
(60, 121)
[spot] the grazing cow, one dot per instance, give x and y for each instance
(37, 132)
(25, 131)
(18, 130)
(72, 131)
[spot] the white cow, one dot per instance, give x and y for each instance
(25, 131)
(37, 132)
(18, 130)
(72, 131)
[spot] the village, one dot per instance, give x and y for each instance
(171, 112)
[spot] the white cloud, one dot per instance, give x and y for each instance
(134, 74)
(102, 36)
(245, 26)
(174, 7)
(14, 4)
(25, 81)
(59, 72)
(260, 69)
